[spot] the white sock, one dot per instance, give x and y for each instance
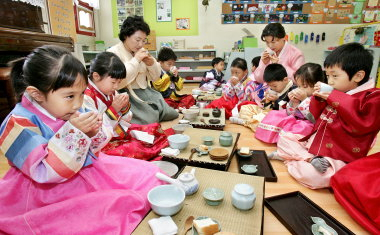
(274, 155)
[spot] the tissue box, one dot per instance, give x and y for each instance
(249, 42)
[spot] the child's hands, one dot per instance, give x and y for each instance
(318, 93)
(89, 123)
(120, 101)
(298, 94)
(174, 71)
(234, 80)
(141, 54)
(270, 95)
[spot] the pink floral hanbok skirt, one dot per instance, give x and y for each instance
(107, 197)
(276, 121)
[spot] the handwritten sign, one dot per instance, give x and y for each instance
(62, 18)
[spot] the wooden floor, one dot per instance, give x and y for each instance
(323, 197)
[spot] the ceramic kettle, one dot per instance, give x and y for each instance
(185, 181)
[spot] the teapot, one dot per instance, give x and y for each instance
(186, 181)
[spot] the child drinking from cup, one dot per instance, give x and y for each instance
(347, 120)
(296, 118)
(56, 184)
(276, 97)
(170, 82)
(213, 79)
(239, 88)
(106, 73)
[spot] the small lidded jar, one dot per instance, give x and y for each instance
(243, 196)
(225, 139)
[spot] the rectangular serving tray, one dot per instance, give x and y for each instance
(259, 158)
(294, 211)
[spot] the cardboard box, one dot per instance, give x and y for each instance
(151, 41)
(249, 42)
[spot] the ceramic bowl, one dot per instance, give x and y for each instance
(208, 140)
(166, 199)
(218, 92)
(190, 114)
(196, 92)
(249, 169)
(178, 141)
(180, 128)
(213, 196)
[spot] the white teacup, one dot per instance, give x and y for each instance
(325, 87)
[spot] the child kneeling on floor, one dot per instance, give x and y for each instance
(347, 119)
(56, 184)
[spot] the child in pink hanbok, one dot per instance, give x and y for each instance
(56, 183)
(239, 88)
(296, 118)
(347, 119)
(106, 73)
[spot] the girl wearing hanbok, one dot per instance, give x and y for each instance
(239, 88)
(56, 183)
(296, 118)
(106, 73)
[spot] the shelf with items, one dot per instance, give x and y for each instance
(193, 63)
(88, 56)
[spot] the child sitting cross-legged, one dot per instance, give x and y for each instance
(213, 79)
(170, 82)
(347, 119)
(56, 184)
(296, 118)
(126, 139)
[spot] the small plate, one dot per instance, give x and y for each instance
(195, 232)
(249, 169)
(245, 155)
(169, 168)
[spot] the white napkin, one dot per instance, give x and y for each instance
(143, 136)
(170, 152)
(163, 226)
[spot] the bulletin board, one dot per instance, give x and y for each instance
(180, 9)
(300, 12)
(62, 20)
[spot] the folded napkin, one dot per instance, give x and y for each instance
(170, 152)
(163, 226)
(143, 136)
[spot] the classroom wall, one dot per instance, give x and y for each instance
(223, 36)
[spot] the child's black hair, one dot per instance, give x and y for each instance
(256, 61)
(351, 58)
(131, 25)
(216, 60)
(108, 64)
(48, 68)
(310, 74)
(239, 63)
(276, 30)
(166, 54)
(274, 72)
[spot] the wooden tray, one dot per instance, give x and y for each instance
(231, 219)
(204, 161)
(294, 211)
(198, 124)
(259, 158)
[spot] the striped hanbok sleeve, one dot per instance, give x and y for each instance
(44, 160)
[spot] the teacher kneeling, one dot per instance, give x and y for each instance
(147, 105)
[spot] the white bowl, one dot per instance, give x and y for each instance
(178, 141)
(190, 114)
(166, 199)
(168, 167)
(196, 92)
(180, 128)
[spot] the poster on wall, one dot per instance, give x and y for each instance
(182, 23)
(62, 21)
(164, 10)
(127, 8)
(300, 11)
